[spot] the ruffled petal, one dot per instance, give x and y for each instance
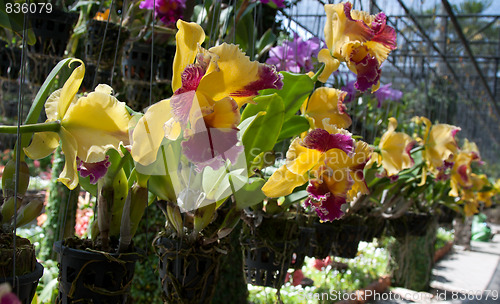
(94, 170)
(69, 175)
(395, 151)
(331, 64)
(42, 145)
(282, 182)
(189, 36)
(236, 76)
(327, 103)
(98, 122)
(341, 27)
(440, 144)
(321, 140)
(148, 133)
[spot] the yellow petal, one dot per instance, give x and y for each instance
(225, 115)
(70, 88)
(42, 145)
(98, 122)
(339, 29)
(300, 159)
(282, 182)
(189, 36)
(440, 144)
(231, 73)
(394, 149)
(69, 175)
(52, 106)
(331, 64)
(148, 133)
(327, 103)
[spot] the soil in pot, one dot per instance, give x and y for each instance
(87, 275)
(28, 270)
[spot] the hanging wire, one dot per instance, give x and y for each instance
(117, 46)
(19, 143)
(94, 83)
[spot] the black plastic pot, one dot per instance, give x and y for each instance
(52, 31)
(165, 67)
(10, 61)
(137, 94)
(268, 251)
(136, 61)
(375, 228)
(413, 224)
(25, 286)
(339, 238)
(94, 276)
(113, 43)
(307, 239)
(188, 273)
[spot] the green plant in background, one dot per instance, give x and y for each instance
(370, 264)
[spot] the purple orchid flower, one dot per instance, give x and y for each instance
(168, 11)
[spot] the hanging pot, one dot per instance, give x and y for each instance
(165, 67)
(10, 61)
(137, 64)
(52, 31)
(28, 270)
(188, 272)
(137, 94)
(374, 228)
(339, 238)
(115, 37)
(25, 285)
(414, 224)
(268, 251)
(94, 276)
(307, 239)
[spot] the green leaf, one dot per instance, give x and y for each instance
(14, 22)
(293, 127)
(296, 88)
(262, 134)
(265, 42)
(250, 194)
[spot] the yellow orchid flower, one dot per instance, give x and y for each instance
(461, 172)
(326, 103)
(440, 147)
(331, 162)
(395, 148)
(361, 40)
(209, 88)
(90, 126)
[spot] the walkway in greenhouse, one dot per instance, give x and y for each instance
(461, 277)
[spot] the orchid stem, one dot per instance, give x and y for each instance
(315, 77)
(53, 126)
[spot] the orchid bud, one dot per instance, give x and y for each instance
(9, 178)
(7, 209)
(29, 212)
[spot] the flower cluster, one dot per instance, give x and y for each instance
(361, 40)
(168, 11)
(295, 56)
